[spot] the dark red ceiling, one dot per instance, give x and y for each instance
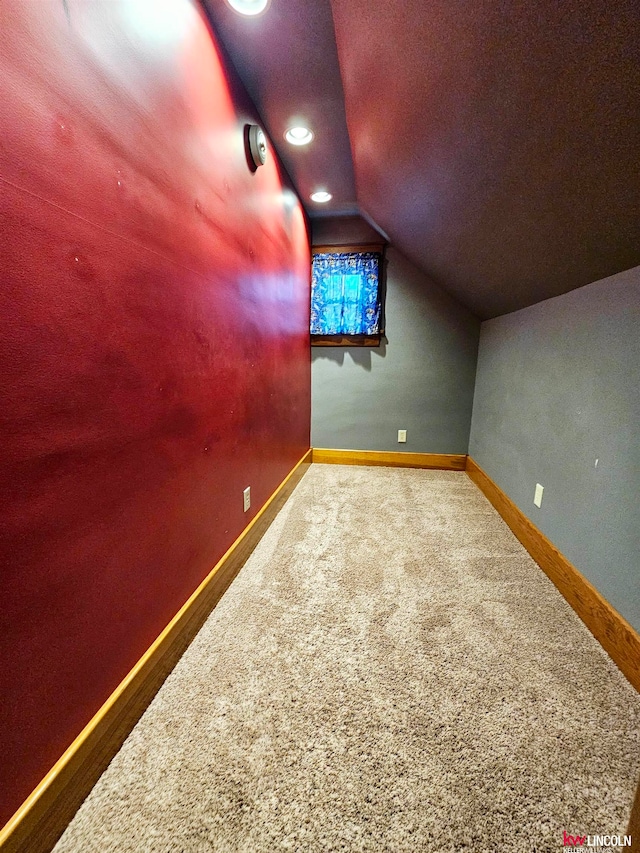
(495, 141)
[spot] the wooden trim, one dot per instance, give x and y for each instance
(391, 459)
(612, 631)
(634, 823)
(351, 247)
(45, 814)
(346, 340)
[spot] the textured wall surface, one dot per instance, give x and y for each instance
(420, 379)
(154, 356)
(557, 402)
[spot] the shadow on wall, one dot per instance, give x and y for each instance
(359, 355)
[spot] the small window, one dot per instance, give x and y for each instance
(346, 296)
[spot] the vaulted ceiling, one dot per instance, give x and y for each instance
(495, 142)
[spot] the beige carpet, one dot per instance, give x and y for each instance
(389, 672)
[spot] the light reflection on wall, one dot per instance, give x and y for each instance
(160, 21)
(277, 296)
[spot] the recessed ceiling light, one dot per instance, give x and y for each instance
(298, 135)
(248, 7)
(321, 196)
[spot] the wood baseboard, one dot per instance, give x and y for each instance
(634, 823)
(391, 459)
(612, 631)
(45, 814)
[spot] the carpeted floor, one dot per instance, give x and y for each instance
(389, 672)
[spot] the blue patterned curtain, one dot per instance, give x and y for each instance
(344, 294)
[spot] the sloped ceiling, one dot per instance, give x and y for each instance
(495, 142)
(287, 60)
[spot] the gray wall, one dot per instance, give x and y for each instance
(421, 379)
(557, 388)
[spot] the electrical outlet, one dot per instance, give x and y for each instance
(402, 436)
(246, 496)
(537, 498)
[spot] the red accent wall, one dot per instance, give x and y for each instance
(154, 355)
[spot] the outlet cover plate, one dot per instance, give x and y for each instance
(537, 498)
(246, 497)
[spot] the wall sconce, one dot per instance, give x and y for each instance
(255, 143)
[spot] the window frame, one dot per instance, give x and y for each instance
(354, 340)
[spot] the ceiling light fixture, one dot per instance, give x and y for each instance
(248, 7)
(298, 135)
(321, 197)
